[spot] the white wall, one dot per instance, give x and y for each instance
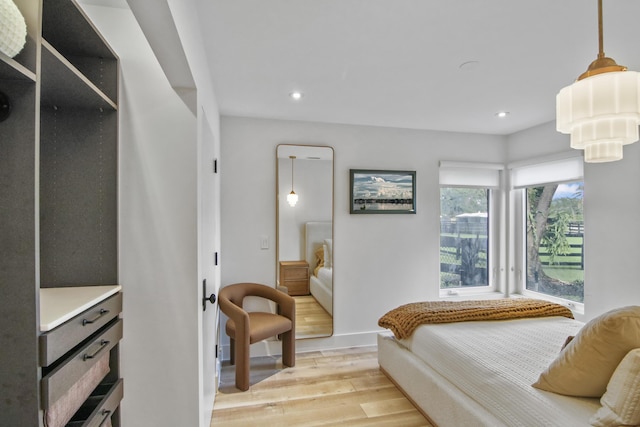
(380, 261)
(158, 241)
(612, 229)
(189, 21)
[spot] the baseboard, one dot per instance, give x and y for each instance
(274, 347)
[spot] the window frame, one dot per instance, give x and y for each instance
(517, 215)
(492, 176)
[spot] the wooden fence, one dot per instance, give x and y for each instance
(575, 230)
(452, 247)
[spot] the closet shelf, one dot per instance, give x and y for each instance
(63, 85)
(11, 69)
(57, 305)
(67, 29)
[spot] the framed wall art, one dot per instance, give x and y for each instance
(382, 191)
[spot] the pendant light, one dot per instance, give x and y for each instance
(601, 110)
(292, 198)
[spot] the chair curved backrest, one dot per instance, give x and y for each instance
(245, 328)
(236, 293)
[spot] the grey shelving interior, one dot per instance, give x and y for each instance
(58, 185)
(18, 245)
(62, 22)
(78, 151)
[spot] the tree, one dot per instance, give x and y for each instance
(539, 201)
(455, 201)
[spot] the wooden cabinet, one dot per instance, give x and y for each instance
(58, 187)
(294, 275)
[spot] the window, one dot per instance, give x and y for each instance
(468, 226)
(551, 229)
(464, 237)
(555, 240)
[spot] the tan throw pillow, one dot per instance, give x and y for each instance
(586, 364)
(319, 256)
(621, 402)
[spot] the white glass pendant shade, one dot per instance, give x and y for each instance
(13, 29)
(292, 199)
(602, 113)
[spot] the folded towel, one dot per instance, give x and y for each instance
(60, 412)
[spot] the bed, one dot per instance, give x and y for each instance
(480, 373)
(319, 255)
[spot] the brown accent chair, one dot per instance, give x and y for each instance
(245, 328)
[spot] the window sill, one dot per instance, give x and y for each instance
(467, 294)
(576, 307)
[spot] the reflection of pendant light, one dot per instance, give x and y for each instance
(601, 110)
(292, 198)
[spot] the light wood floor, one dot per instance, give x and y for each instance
(328, 388)
(311, 319)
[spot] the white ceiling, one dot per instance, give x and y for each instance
(399, 63)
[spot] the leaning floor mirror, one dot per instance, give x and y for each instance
(304, 244)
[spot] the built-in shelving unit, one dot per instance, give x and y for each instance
(58, 204)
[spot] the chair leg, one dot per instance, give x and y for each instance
(232, 351)
(289, 349)
(242, 365)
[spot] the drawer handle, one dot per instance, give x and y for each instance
(107, 414)
(103, 345)
(86, 322)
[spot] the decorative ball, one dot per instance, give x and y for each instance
(13, 29)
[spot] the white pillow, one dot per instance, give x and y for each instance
(328, 253)
(587, 363)
(621, 402)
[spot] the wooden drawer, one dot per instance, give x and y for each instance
(57, 342)
(99, 406)
(297, 287)
(56, 383)
(296, 273)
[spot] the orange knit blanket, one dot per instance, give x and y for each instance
(406, 318)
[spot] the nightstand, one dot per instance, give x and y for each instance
(295, 276)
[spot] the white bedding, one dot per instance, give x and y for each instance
(325, 276)
(494, 364)
(321, 287)
(317, 234)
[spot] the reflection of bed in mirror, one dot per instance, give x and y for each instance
(319, 255)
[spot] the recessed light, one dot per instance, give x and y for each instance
(502, 114)
(296, 95)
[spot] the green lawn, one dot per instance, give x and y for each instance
(565, 273)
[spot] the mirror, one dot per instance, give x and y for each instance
(304, 228)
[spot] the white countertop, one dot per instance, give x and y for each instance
(57, 305)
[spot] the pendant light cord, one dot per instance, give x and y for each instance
(292, 157)
(602, 64)
(600, 31)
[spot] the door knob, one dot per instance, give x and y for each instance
(211, 299)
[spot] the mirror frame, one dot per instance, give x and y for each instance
(277, 252)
